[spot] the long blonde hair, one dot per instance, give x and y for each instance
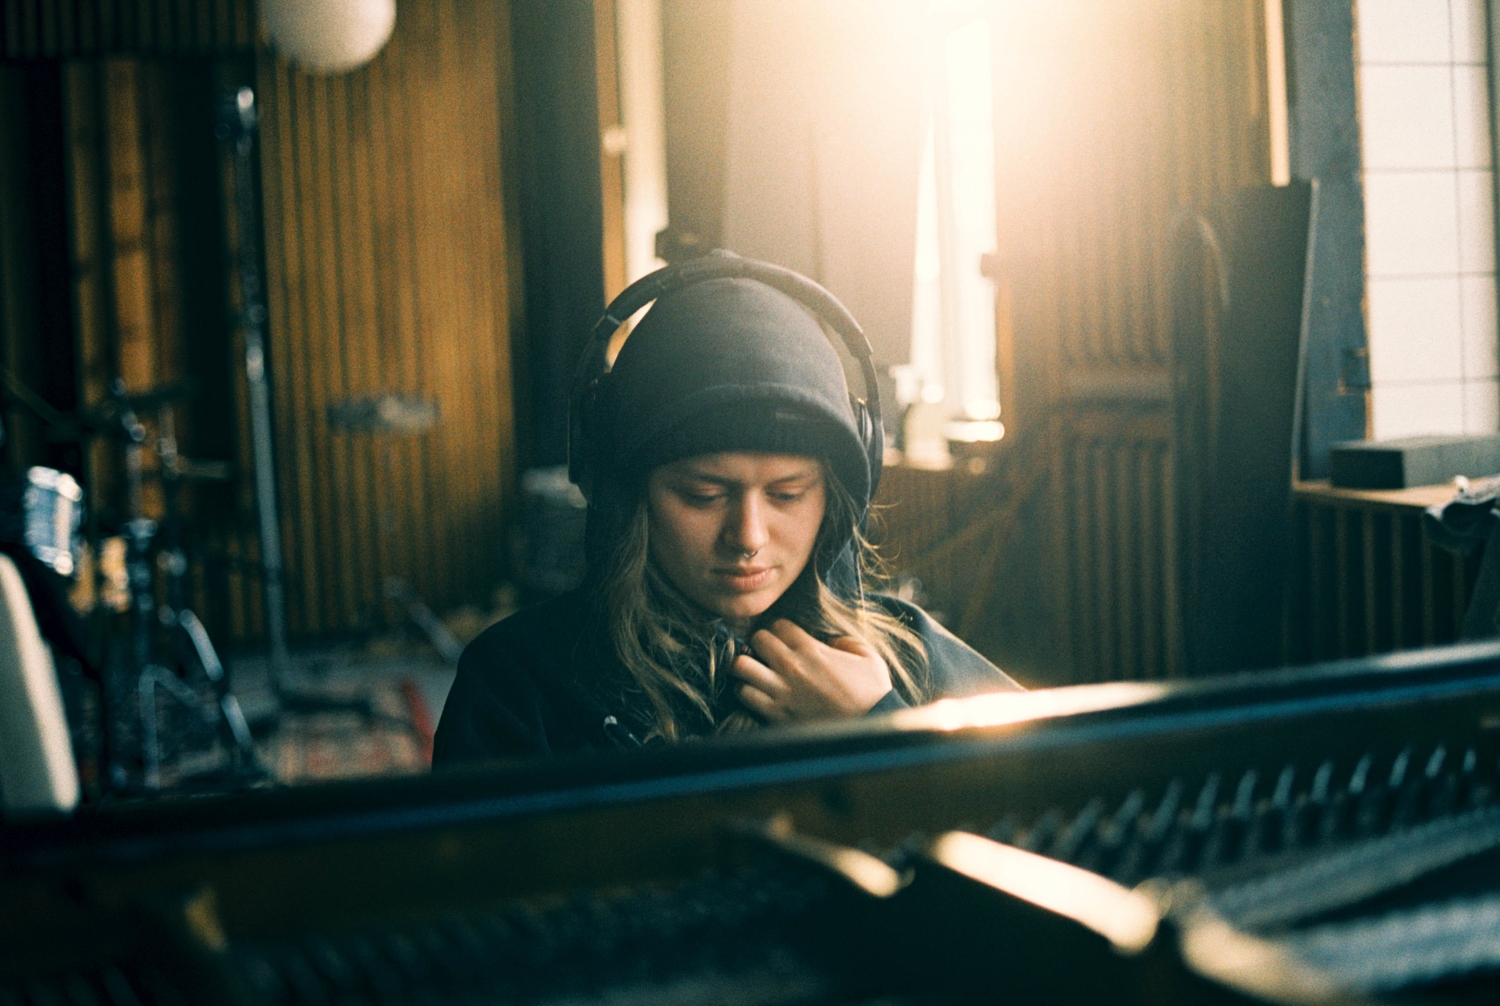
(674, 652)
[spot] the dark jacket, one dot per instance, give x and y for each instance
(544, 682)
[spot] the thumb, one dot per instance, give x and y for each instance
(853, 644)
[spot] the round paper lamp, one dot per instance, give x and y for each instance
(328, 36)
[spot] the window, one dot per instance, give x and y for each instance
(1429, 216)
(953, 308)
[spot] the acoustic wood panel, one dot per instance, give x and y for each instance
(386, 256)
(1118, 528)
(129, 204)
(68, 28)
(149, 305)
(612, 136)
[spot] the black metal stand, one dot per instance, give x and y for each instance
(239, 123)
(192, 651)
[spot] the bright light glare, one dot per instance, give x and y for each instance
(982, 408)
(975, 431)
(1254, 965)
(869, 873)
(1122, 916)
(1002, 708)
(973, 165)
(926, 302)
(953, 309)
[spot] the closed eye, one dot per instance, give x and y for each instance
(790, 490)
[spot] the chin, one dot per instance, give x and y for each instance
(743, 608)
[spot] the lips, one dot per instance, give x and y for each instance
(745, 580)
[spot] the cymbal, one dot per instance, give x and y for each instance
(154, 398)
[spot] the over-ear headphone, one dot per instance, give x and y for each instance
(593, 370)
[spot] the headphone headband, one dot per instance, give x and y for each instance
(720, 265)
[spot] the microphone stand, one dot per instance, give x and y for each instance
(239, 121)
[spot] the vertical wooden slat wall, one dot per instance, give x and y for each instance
(150, 300)
(90, 248)
(123, 223)
(1366, 580)
(387, 274)
(1118, 529)
(611, 154)
(45, 28)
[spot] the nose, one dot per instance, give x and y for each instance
(745, 526)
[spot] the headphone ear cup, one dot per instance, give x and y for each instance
(862, 422)
(581, 446)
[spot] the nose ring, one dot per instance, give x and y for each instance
(749, 555)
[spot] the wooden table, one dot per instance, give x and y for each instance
(1320, 491)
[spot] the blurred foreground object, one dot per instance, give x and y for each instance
(37, 772)
(554, 512)
(1314, 835)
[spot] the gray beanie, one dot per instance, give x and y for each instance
(727, 365)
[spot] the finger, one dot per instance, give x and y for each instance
(771, 648)
(794, 635)
(761, 704)
(753, 672)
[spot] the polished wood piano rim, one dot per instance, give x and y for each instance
(1057, 773)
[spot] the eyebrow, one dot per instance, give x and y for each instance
(721, 480)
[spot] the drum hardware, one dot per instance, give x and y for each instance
(101, 421)
(225, 713)
(44, 513)
(193, 653)
(100, 581)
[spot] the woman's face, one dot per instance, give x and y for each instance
(733, 531)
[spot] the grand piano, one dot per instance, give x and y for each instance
(1326, 834)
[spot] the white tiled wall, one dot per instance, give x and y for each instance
(1429, 216)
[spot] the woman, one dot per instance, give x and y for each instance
(724, 587)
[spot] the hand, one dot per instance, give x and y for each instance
(797, 677)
